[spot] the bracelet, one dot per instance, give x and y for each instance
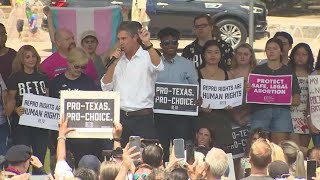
(148, 47)
(61, 137)
(116, 139)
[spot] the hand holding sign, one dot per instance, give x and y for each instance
(20, 110)
(117, 130)
(63, 127)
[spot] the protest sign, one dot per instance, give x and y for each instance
(239, 135)
(299, 119)
(91, 113)
(220, 94)
(178, 99)
(231, 174)
(314, 98)
(40, 111)
(267, 89)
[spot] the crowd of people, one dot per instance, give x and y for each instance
(132, 67)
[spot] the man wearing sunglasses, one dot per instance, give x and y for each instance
(179, 70)
(204, 31)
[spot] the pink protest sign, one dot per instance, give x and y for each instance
(267, 89)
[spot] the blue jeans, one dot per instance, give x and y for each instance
(4, 133)
(316, 139)
(272, 120)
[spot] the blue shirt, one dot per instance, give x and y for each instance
(179, 70)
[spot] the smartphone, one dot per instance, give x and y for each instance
(107, 154)
(135, 141)
(179, 148)
(190, 153)
(311, 169)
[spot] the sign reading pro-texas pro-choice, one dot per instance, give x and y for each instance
(178, 99)
(91, 113)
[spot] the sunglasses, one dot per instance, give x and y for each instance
(168, 42)
(78, 67)
(136, 176)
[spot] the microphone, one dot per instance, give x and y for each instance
(109, 63)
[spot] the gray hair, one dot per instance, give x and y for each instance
(217, 160)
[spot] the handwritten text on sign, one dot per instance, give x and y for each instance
(299, 119)
(220, 94)
(267, 89)
(40, 111)
(314, 98)
(176, 99)
(86, 113)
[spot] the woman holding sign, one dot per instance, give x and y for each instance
(273, 117)
(219, 120)
(74, 79)
(243, 62)
(314, 131)
(26, 78)
(302, 63)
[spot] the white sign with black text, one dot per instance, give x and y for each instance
(40, 111)
(220, 94)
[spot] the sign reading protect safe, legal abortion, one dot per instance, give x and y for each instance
(178, 99)
(91, 113)
(40, 111)
(267, 89)
(314, 98)
(220, 94)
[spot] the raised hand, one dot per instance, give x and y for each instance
(144, 35)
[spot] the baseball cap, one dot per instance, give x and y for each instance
(18, 153)
(87, 34)
(90, 162)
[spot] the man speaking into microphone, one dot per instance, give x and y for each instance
(133, 74)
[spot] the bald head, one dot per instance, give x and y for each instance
(60, 33)
(64, 40)
(260, 154)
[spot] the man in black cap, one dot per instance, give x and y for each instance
(19, 158)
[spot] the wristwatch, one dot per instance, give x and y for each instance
(148, 47)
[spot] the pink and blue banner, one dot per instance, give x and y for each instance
(103, 20)
(267, 89)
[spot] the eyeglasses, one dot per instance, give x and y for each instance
(136, 176)
(78, 67)
(201, 26)
(168, 42)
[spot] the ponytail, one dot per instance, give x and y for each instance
(300, 169)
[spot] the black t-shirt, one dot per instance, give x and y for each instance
(193, 52)
(35, 83)
(6, 64)
(283, 70)
(60, 82)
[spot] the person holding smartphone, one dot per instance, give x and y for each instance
(133, 73)
(178, 70)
